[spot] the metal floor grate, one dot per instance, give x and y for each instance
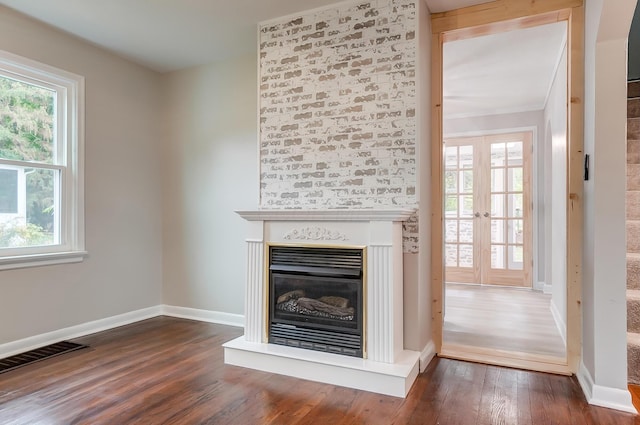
(38, 354)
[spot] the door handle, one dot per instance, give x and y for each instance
(486, 214)
(477, 214)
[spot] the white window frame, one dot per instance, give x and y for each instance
(69, 162)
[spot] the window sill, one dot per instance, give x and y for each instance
(37, 260)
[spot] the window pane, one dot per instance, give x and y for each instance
(8, 191)
(35, 219)
(27, 115)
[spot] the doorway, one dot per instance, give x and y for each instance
(487, 209)
(471, 257)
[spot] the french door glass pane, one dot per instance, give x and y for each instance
(516, 228)
(466, 205)
(497, 231)
(515, 204)
(466, 157)
(498, 258)
(451, 157)
(466, 255)
(514, 150)
(451, 205)
(497, 155)
(497, 180)
(451, 230)
(497, 206)
(466, 181)
(515, 179)
(451, 255)
(515, 257)
(465, 231)
(450, 182)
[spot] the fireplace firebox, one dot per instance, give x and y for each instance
(315, 298)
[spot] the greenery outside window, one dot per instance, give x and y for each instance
(41, 164)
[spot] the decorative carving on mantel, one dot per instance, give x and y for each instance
(314, 233)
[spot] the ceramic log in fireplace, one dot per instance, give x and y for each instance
(315, 298)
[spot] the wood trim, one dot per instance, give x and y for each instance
(497, 13)
(437, 237)
(488, 14)
(575, 152)
(527, 361)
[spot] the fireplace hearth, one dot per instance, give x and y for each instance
(315, 298)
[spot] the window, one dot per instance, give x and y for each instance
(41, 164)
(8, 191)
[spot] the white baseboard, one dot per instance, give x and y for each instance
(20, 346)
(204, 315)
(598, 395)
(30, 343)
(560, 323)
(427, 354)
(546, 289)
(538, 286)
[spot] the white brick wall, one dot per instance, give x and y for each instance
(337, 109)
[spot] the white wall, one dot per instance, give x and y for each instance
(123, 198)
(604, 306)
(555, 189)
(210, 169)
(417, 295)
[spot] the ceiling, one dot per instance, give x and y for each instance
(506, 72)
(167, 35)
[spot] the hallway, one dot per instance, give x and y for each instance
(498, 318)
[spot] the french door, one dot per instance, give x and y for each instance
(487, 209)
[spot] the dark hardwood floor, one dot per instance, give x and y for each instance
(171, 371)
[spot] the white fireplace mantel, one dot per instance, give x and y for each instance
(388, 368)
(391, 215)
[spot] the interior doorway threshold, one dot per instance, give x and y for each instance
(513, 359)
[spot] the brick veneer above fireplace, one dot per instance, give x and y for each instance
(337, 105)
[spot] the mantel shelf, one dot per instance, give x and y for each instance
(328, 215)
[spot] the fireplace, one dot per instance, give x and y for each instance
(315, 298)
(357, 256)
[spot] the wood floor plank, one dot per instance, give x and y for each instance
(171, 371)
(523, 399)
(507, 319)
